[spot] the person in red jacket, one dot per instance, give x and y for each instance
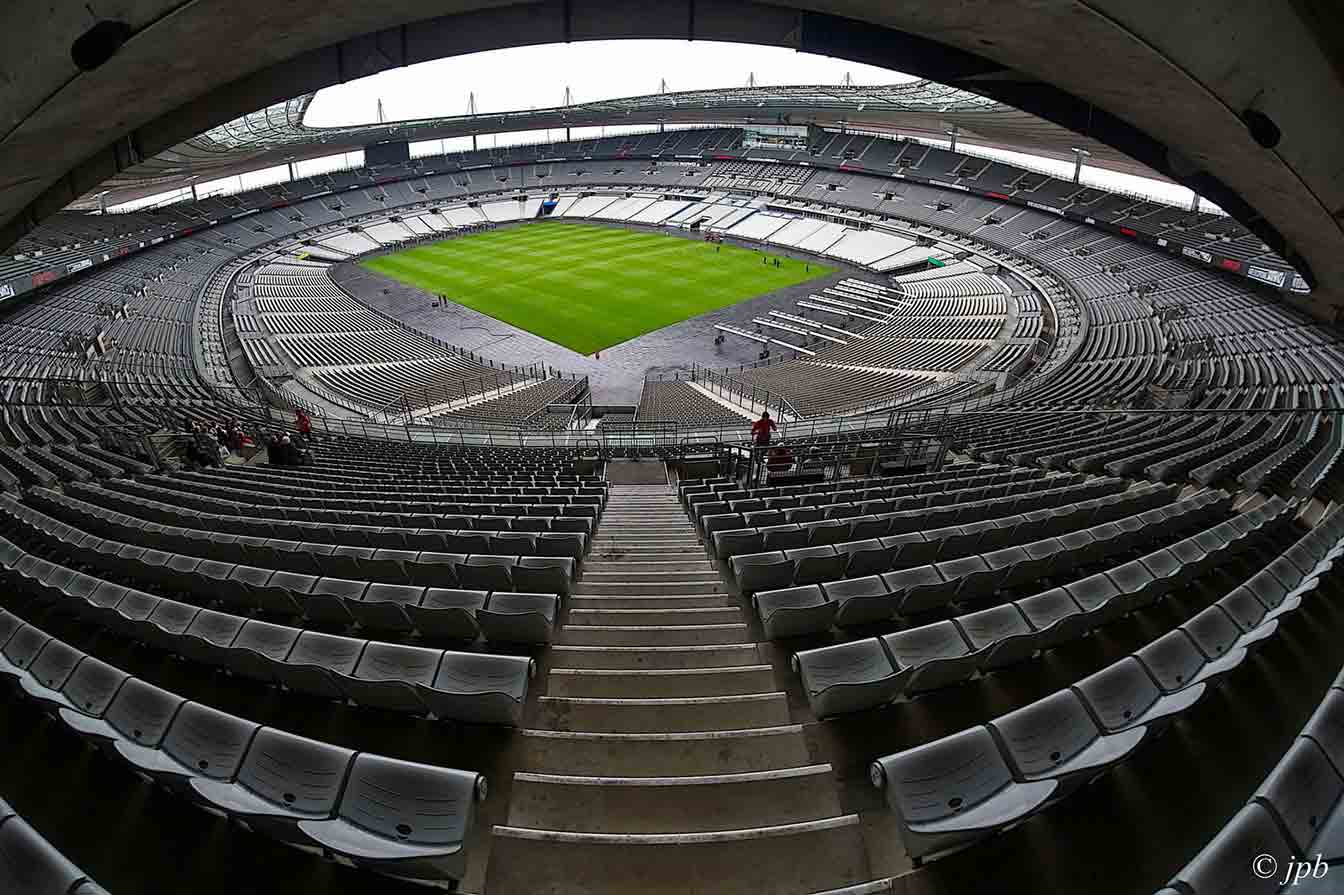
(761, 429)
(304, 423)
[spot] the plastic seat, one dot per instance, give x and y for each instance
(937, 654)
(955, 790)
(259, 647)
(919, 589)
(1134, 584)
(1222, 865)
(761, 571)
(848, 677)
(448, 612)
(794, 611)
(1304, 789)
(1000, 636)
(1056, 618)
(518, 617)
(29, 865)
(814, 565)
(50, 669)
(407, 819)
(315, 660)
(382, 607)
(491, 573)
(1123, 695)
(544, 574)
(201, 742)
(1248, 614)
(736, 541)
(1213, 632)
(209, 636)
(139, 713)
(436, 569)
(283, 779)
(1055, 738)
(328, 600)
(90, 688)
(479, 687)
(784, 537)
(387, 674)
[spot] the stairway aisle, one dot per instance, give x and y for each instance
(663, 758)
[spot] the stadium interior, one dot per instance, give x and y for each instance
(409, 518)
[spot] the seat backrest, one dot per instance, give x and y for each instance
(392, 661)
(1046, 733)
(915, 646)
(209, 742)
(142, 712)
(329, 651)
(30, 865)
(945, 777)
(410, 802)
(1302, 789)
(1222, 865)
(1119, 693)
(302, 774)
(1212, 631)
(93, 685)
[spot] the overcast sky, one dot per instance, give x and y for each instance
(536, 77)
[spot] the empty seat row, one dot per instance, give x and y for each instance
(492, 571)
(813, 608)
(908, 513)
(395, 817)
(30, 864)
(279, 486)
(518, 617)
(580, 505)
(862, 674)
(953, 791)
(974, 527)
(362, 520)
(476, 687)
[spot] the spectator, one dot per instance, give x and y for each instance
(305, 425)
(780, 459)
(273, 450)
(289, 454)
(761, 429)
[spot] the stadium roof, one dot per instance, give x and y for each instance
(277, 134)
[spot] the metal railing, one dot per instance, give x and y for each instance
(746, 394)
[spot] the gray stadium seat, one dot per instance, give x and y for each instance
(479, 687)
(201, 742)
(387, 675)
(139, 713)
(1224, 865)
(448, 612)
(315, 660)
(793, 611)
(938, 654)
(1304, 789)
(283, 779)
(402, 818)
(955, 790)
(29, 865)
(1056, 739)
(1123, 695)
(518, 618)
(849, 677)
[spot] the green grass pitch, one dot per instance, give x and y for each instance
(589, 287)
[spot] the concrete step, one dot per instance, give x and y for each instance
(650, 658)
(775, 860)
(725, 615)
(646, 635)
(599, 587)
(695, 563)
(732, 680)
(673, 804)
(627, 554)
(655, 549)
(662, 715)
(660, 601)
(636, 754)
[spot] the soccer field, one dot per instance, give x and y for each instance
(589, 287)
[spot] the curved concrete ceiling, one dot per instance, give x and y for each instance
(1166, 84)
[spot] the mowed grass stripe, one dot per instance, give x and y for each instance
(589, 287)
